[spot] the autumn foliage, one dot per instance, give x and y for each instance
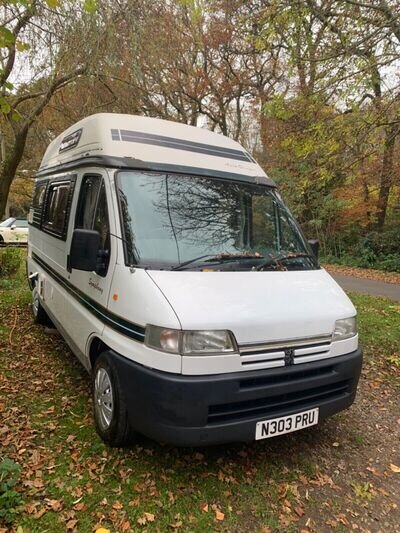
(310, 87)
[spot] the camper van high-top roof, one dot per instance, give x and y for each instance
(129, 141)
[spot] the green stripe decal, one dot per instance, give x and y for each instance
(130, 329)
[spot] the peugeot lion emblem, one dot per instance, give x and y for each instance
(289, 357)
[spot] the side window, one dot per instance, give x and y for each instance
(264, 223)
(39, 194)
(101, 222)
(20, 223)
(57, 208)
(87, 202)
(92, 213)
(36, 210)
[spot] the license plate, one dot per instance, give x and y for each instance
(286, 424)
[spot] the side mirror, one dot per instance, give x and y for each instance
(84, 250)
(13, 226)
(314, 245)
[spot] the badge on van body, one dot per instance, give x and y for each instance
(289, 357)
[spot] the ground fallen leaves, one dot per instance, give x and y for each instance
(151, 482)
(366, 273)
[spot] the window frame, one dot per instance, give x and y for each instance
(70, 181)
(79, 199)
(276, 198)
(102, 182)
(36, 212)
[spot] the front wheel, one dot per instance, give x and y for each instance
(109, 408)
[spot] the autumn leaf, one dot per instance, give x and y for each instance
(395, 468)
(54, 505)
(30, 508)
(219, 515)
(117, 506)
(71, 524)
(39, 513)
(79, 506)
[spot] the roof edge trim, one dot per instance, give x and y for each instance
(129, 163)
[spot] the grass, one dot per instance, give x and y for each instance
(72, 481)
(379, 328)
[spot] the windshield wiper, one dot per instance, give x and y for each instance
(283, 257)
(224, 256)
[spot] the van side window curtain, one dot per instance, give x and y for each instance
(58, 201)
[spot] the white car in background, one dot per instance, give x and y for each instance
(14, 231)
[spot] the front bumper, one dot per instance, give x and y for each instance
(202, 410)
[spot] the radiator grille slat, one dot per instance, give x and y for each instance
(262, 357)
(275, 354)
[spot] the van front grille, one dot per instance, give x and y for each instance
(293, 376)
(278, 354)
(277, 404)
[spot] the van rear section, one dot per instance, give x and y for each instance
(170, 264)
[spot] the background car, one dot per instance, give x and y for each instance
(14, 231)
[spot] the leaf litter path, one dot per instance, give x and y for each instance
(339, 476)
(368, 286)
(365, 273)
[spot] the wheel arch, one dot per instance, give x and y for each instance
(96, 347)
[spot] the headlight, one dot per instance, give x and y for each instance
(189, 342)
(166, 340)
(205, 342)
(345, 328)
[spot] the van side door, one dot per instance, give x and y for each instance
(87, 308)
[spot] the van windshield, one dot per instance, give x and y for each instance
(184, 222)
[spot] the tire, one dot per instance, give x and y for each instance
(39, 314)
(109, 408)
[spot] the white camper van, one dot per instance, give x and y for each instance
(171, 266)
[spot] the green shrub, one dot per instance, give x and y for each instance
(372, 250)
(10, 499)
(389, 263)
(10, 261)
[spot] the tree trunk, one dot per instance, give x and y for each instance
(8, 168)
(386, 180)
